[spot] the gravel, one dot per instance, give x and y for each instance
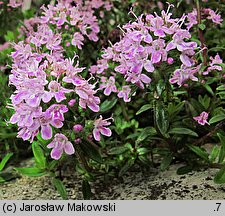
(133, 185)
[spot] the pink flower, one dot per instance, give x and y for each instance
(78, 40)
(202, 118)
(100, 128)
(212, 15)
(59, 145)
(157, 26)
(183, 74)
(192, 19)
(124, 93)
(15, 3)
(158, 51)
(87, 98)
(57, 91)
(109, 86)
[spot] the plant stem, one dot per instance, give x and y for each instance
(201, 34)
(83, 161)
(202, 140)
(124, 110)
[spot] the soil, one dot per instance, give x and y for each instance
(134, 185)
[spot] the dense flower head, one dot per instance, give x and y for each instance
(148, 42)
(81, 16)
(47, 84)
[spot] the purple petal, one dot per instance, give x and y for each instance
(82, 94)
(34, 126)
(107, 91)
(59, 96)
(68, 148)
(56, 153)
(14, 119)
(56, 123)
(19, 97)
(94, 107)
(160, 33)
(186, 60)
(148, 66)
(106, 131)
(170, 46)
(156, 57)
(33, 101)
(46, 97)
(96, 134)
(46, 132)
(51, 144)
(145, 78)
(148, 38)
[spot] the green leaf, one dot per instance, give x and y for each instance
(222, 95)
(86, 190)
(145, 160)
(108, 104)
(144, 108)
(2, 180)
(178, 4)
(31, 171)
(8, 175)
(214, 153)
(222, 149)
(142, 151)
(9, 36)
(118, 150)
(166, 161)
(184, 131)
(39, 155)
(146, 132)
(202, 26)
(161, 117)
(173, 109)
(60, 188)
(5, 160)
(200, 152)
(205, 101)
(221, 88)
(217, 118)
(91, 151)
(126, 167)
(41, 140)
(220, 176)
(209, 89)
(160, 87)
(184, 170)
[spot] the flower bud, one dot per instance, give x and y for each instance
(77, 128)
(72, 102)
(170, 60)
(77, 141)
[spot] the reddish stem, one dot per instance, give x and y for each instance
(201, 34)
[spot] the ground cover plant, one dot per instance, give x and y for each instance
(104, 86)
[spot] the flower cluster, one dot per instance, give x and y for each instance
(79, 20)
(47, 84)
(148, 42)
(208, 13)
(15, 3)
